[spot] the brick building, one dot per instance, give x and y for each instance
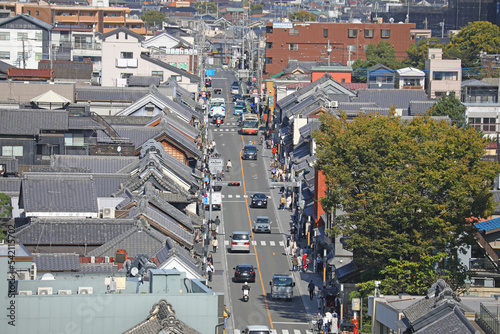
(347, 41)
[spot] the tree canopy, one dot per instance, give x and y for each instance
(383, 53)
(5, 210)
(302, 16)
(449, 105)
(407, 188)
(473, 38)
(153, 18)
(205, 7)
(417, 53)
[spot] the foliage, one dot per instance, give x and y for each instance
(205, 7)
(153, 18)
(381, 53)
(5, 208)
(406, 188)
(256, 8)
(449, 105)
(475, 37)
(417, 53)
(302, 16)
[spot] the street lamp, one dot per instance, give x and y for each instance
(467, 286)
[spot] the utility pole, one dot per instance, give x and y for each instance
(24, 56)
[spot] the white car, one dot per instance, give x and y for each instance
(256, 329)
(240, 241)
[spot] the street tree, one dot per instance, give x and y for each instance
(205, 7)
(449, 105)
(153, 19)
(474, 37)
(407, 187)
(256, 8)
(5, 210)
(302, 16)
(417, 53)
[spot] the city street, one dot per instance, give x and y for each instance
(267, 251)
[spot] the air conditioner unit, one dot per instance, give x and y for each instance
(332, 104)
(108, 213)
(24, 275)
(106, 259)
(33, 271)
(44, 291)
(25, 293)
(63, 292)
(92, 259)
(85, 290)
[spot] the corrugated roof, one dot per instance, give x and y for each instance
(31, 121)
(488, 225)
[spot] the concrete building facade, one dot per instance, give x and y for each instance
(312, 41)
(444, 75)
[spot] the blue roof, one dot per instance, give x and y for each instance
(488, 225)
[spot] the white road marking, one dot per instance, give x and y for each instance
(254, 242)
(226, 242)
(245, 196)
(238, 196)
(285, 331)
(282, 244)
(262, 243)
(271, 243)
(229, 196)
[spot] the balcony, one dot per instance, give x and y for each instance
(86, 46)
(126, 63)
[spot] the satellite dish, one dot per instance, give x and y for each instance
(134, 271)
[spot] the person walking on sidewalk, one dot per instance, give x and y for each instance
(215, 244)
(311, 287)
(282, 202)
(334, 325)
(295, 262)
(319, 297)
(217, 223)
(210, 271)
(210, 259)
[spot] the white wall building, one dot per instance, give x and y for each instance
(24, 40)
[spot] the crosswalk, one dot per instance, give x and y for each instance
(282, 331)
(261, 243)
(238, 196)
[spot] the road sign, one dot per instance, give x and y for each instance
(209, 73)
(205, 199)
(226, 183)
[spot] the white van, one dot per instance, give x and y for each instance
(257, 330)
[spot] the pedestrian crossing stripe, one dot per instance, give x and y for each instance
(254, 242)
(237, 196)
(283, 331)
(271, 243)
(229, 196)
(262, 243)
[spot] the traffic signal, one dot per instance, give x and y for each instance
(233, 184)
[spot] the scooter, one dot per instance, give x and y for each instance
(219, 121)
(245, 295)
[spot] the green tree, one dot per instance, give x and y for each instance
(256, 8)
(205, 7)
(381, 53)
(449, 105)
(417, 53)
(153, 19)
(406, 188)
(302, 16)
(5, 210)
(473, 38)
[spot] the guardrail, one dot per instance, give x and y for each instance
(487, 320)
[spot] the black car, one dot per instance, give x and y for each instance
(249, 152)
(208, 82)
(244, 273)
(237, 97)
(259, 200)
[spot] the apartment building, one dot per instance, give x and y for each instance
(337, 42)
(444, 75)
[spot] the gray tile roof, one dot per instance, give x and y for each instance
(57, 262)
(30, 19)
(10, 185)
(127, 120)
(307, 130)
(349, 106)
(137, 240)
(476, 83)
(385, 98)
(109, 94)
(447, 318)
(31, 121)
(173, 248)
(98, 268)
(143, 81)
(108, 184)
(72, 231)
(84, 123)
(93, 163)
(420, 107)
(127, 31)
(48, 192)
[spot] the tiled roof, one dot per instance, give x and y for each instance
(355, 85)
(127, 120)
(346, 270)
(109, 94)
(23, 17)
(143, 81)
(385, 98)
(127, 31)
(85, 123)
(137, 240)
(192, 78)
(98, 268)
(108, 184)
(45, 192)
(488, 225)
(420, 107)
(10, 185)
(447, 318)
(72, 231)
(57, 262)
(28, 72)
(31, 121)
(93, 163)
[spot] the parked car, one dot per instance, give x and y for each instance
(244, 273)
(240, 241)
(259, 200)
(262, 224)
(249, 152)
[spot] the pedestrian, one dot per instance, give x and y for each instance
(219, 176)
(282, 202)
(226, 315)
(311, 287)
(215, 244)
(288, 245)
(329, 316)
(304, 262)
(295, 262)
(289, 202)
(210, 271)
(334, 325)
(319, 298)
(319, 264)
(319, 321)
(294, 246)
(210, 259)
(325, 324)
(274, 152)
(217, 223)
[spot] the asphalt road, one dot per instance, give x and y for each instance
(267, 251)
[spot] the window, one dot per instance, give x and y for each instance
(22, 36)
(12, 151)
(445, 76)
(352, 33)
(293, 46)
(385, 33)
(4, 55)
(126, 36)
(158, 74)
(126, 55)
(44, 151)
(486, 124)
(20, 55)
(351, 47)
(150, 110)
(73, 139)
(293, 32)
(5, 36)
(37, 13)
(29, 12)
(269, 30)
(325, 33)
(117, 35)
(368, 33)
(269, 60)
(269, 45)
(38, 36)
(125, 75)
(38, 56)
(176, 78)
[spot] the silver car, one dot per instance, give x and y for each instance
(240, 242)
(262, 224)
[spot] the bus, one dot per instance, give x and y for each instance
(216, 102)
(249, 124)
